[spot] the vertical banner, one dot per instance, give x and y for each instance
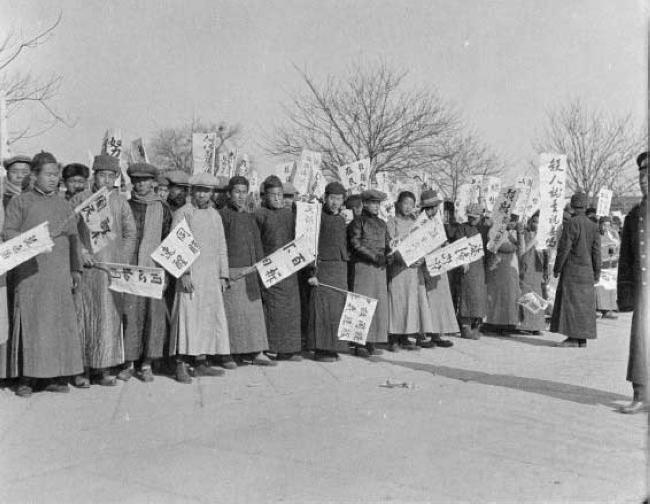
(4, 130)
(98, 218)
(308, 223)
(178, 251)
(356, 318)
(138, 153)
(552, 180)
(253, 182)
(386, 182)
(355, 177)
(604, 202)
(463, 198)
(203, 152)
(243, 166)
(112, 143)
(524, 186)
(501, 217)
(226, 159)
(490, 191)
(317, 184)
(308, 162)
(476, 183)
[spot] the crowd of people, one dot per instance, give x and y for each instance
(65, 326)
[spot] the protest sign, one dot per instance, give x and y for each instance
(285, 261)
(317, 184)
(604, 202)
(25, 246)
(308, 164)
(112, 143)
(225, 159)
(532, 302)
(423, 238)
(458, 253)
(138, 153)
(475, 183)
(204, 152)
(355, 177)
(136, 280)
(501, 218)
(386, 182)
(178, 251)
(356, 318)
(552, 178)
(463, 199)
(97, 216)
(524, 185)
(308, 223)
(243, 166)
(490, 191)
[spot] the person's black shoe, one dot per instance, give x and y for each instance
(438, 341)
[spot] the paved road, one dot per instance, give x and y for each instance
(499, 419)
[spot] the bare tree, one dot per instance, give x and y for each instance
(600, 148)
(23, 90)
(171, 148)
(369, 113)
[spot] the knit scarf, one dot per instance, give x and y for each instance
(152, 232)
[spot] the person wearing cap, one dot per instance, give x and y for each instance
(354, 203)
(632, 288)
(177, 188)
(282, 301)
(325, 304)
(440, 318)
(243, 300)
(101, 320)
(145, 326)
(75, 179)
(533, 273)
(200, 327)
(45, 339)
(19, 169)
(162, 187)
(369, 244)
(577, 264)
(290, 193)
(609, 248)
(471, 277)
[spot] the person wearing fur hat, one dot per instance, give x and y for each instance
(577, 264)
(75, 179)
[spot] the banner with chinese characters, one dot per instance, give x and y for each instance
(243, 166)
(533, 203)
(308, 223)
(463, 199)
(285, 261)
(425, 236)
(112, 143)
(501, 218)
(225, 163)
(356, 318)
(355, 177)
(458, 253)
(178, 251)
(490, 191)
(25, 246)
(604, 202)
(386, 182)
(524, 185)
(552, 179)
(309, 163)
(317, 183)
(136, 280)
(97, 216)
(475, 183)
(138, 153)
(203, 152)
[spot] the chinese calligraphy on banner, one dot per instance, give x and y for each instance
(425, 236)
(501, 217)
(178, 251)
(308, 163)
(533, 302)
(524, 185)
(356, 318)
(112, 144)
(203, 152)
(490, 191)
(355, 176)
(136, 280)
(552, 178)
(284, 262)
(25, 246)
(604, 202)
(463, 251)
(226, 157)
(98, 218)
(138, 153)
(308, 223)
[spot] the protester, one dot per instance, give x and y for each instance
(75, 179)
(243, 301)
(453, 276)
(609, 249)
(369, 245)
(578, 265)
(45, 341)
(162, 189)
(282, 301)
(200, 328)
(176, 189)
(633, 291)
(533, 273)
(354, 203)
(331, 269)
(19, 170)
(145, 327)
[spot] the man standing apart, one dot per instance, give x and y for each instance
(633, 290)
(578, 265)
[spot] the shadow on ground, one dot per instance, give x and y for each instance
(528, 340)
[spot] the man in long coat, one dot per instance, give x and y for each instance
(578, 265)
(632, 290)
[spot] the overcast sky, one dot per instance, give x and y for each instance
(142, 65)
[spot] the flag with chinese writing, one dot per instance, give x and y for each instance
(178, 251)
(356, 318)
(285, 261)
(226, 159)
(136, 280)
(425, 236)
(25, 246)
(308, 216)
(98, 219)
(355, 177)
(552, 186)
(524, 185)
(501, 214)
(203, 152)
(458, 253)
(604, 202)
(308, 163)
(490, 191)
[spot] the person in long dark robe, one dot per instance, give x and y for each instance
(369, 245)
(609, 250)
(243, 301)
(578, 265)
(282, 300)
(325, 304)
(145, 324)
(532, 275)
(45, 343)
(633, 291)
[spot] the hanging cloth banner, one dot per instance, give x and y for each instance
(203, 152)
(604, 202)
(552, 183)
(308, 217)
(501, 218)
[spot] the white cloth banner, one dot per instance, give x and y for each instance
(226, 157)
(317, 183)
(604, 202)
(203, 152)
(463, 251)
(476, 183)
(356, 318)
(425, 236)
(490, 191)
(136, 280)
(284, 262)
(112, 143)
(463, 199)
(525, 188)
(308, 216)
(501, 217)
(138, 153)
(355, 177)
(97, 217)
(552, 180)
(25, 246)
(178, 251)
(309, 162)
